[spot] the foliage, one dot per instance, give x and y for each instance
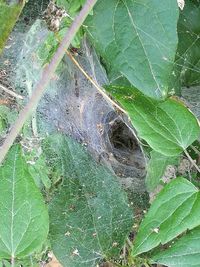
(48, 48)
(24, 217)
(149, 52)
(183, 252)
(130, 45)
(6, 119)
(8, 17)
(178, 205)
(156, 168)
(168, 127)
(186, 67)
(71, 6)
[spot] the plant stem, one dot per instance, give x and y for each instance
(195, 150)
(12, 261)
(100, 90)
(2, 87)
(94, 83)
(192, 161)
(46, 76)
(129, 243)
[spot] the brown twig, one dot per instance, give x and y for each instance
(8, 91)
(94, 83)
(103, 93)
(192, 161)
(45, 78)
(195, 150)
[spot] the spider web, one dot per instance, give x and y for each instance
(72, 106)
(61, 110)
(187, 62)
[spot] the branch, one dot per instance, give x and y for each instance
(195, 150)
(94, 83)
(46, 76)
(192, 161)
(8, 91)
(118, 108)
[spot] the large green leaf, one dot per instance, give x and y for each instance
(90, 217)
(138, 40)
(175, 210)
(185, 252)
(72, 6)
(168, 127)
(9, 14)
(187, 63)
(156, 168)
(24, 217)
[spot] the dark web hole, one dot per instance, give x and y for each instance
(121, 142)
(121, 137)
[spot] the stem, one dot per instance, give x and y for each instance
(12, 262)
(102, 93)
(46, 76)
(130, 244)
(195, 150)
(192, 161)
(94, 83)
(34, 124)
(2, 87)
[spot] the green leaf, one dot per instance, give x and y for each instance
(183, 252)
(156, 168)
(175, 210)
(8, 17)
(138, 41)
(3, 118)
(71, 6)
(37, 166)
(168, 127)
(24, 217)
(90, 217)
(187, 63)
(5, 264)
(39, 171)
(48, 48)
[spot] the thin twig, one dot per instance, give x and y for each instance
(192, 161)
(94, 83)
(47, 74)
(12, 261)
(124, 261)
(102, 93)
(34, 114)
(129, 243)
(195, 150)
(34, 124)
(10, 92)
